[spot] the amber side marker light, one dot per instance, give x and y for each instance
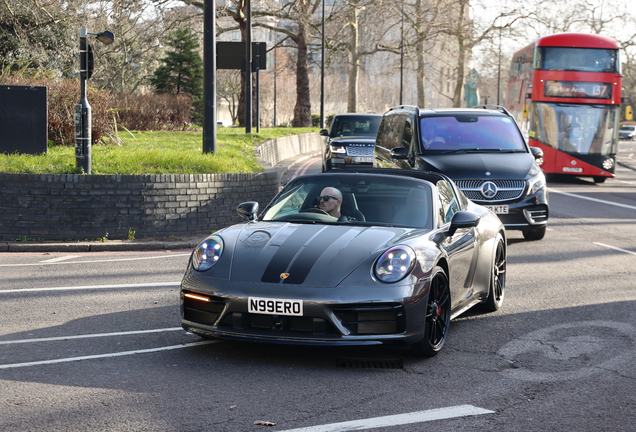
(196, 297)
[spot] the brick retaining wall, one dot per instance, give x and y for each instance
(80, 207)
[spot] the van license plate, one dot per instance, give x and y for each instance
(498, 209)
(270, 306)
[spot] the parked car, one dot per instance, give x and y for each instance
(405, 253)
(482, 150)
(627, 132)
(350, 140)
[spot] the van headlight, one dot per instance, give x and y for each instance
(536, 183)
(207, 253)
(394, 264)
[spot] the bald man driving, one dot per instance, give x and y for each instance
(330, 200)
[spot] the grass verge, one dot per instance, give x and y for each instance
(156, 152)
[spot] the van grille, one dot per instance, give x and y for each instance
(506, 189)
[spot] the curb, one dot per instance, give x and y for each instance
(107, 246)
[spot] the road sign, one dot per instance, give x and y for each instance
(231, 55)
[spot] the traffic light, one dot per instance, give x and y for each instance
(628, 112)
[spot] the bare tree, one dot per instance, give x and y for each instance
(468, 33)
(364, 26)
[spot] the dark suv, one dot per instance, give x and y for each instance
(350, 140)
(481, 149)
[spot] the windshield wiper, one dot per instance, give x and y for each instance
(484, 150)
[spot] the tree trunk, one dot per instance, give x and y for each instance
(354, 62)
(421, 58)
(302, 109)
(461, 57)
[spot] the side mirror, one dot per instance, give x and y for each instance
(463, 219)
(248, 210)
(538, 155)
(536, 152)
(324, 132)
(400, 153)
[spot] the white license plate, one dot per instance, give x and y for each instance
(270, 306)
(368, 159)
(498, 209)
(569, 169)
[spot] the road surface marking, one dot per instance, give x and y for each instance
(90, 287)
(615, 248)
(592, 199)
(397, 420)
(58, 259)
(93, 261)
(126, 333)
(304, 167)
(98, 356)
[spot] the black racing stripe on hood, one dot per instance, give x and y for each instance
(287, 252)
(308, 257)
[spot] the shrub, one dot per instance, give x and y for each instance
(153, 111)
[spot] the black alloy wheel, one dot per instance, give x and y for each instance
(438, 312)
(497, 278)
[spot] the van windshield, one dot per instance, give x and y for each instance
(471, 133)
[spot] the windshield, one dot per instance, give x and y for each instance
(471, 133)
(577, 59)
(585, 129)
(354, 199)
(628, 128)
(360, 125)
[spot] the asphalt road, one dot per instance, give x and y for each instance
(91, 341)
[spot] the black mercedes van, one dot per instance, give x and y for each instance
(481, 149)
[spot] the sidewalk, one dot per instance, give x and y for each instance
(158, 244)
(626, 156)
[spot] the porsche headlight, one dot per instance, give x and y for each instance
(536, 183)
(337, 149)
(207, 253)
(395, 264)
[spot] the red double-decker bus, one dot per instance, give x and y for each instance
(564, 91)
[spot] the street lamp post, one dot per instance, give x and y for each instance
(402, 55)
(83, 108)
(322, 71)
(209, 72)
(248, 68)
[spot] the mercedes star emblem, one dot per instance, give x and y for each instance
(489, 190)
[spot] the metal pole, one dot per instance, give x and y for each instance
(322, 71)
(248, 68)
(258, 89)
(402, 55)
(499, 70)
(209, 73)
(83, 113)
(275, 76)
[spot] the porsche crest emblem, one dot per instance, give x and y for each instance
(284, 275)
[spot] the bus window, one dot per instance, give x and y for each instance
(577, 59)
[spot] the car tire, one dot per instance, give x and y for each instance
(438, 312)
(535, 233)
(600, 179)
(497, 278)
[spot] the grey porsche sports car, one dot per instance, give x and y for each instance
(370, 257)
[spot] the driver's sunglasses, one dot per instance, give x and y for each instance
(326, 198)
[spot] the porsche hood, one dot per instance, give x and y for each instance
(305, 254)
